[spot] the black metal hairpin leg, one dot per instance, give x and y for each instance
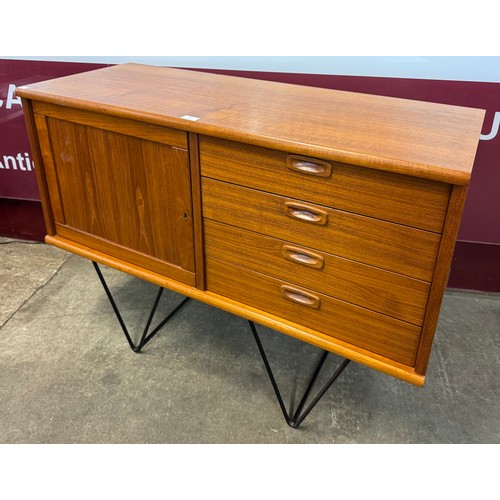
(296, 418)
(146, 334)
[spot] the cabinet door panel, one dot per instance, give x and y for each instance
(129, 191)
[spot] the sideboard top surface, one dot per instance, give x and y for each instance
(429, 140)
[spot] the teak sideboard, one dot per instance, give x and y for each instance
(326, 215)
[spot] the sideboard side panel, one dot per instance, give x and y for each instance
(440, 278)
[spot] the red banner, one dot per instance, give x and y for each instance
(17, 176)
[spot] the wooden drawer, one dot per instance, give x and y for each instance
(389, 246)
(398, 198)
(375, 332)
(382, 291)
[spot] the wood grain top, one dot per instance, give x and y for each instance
(427, 140)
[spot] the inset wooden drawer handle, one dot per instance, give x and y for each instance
(300, 297)
(302, 256)
(306, 213)
(309, 166)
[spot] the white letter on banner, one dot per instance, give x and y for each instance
(494, 128)
(11, 160)
(11, 97)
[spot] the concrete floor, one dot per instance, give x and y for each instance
(69, 376)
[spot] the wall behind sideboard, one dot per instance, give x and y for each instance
(464, 81)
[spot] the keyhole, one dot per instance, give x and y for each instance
(185, 216)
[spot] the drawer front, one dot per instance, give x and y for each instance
(389, 246)
(397, 198)
(380, 334)
(367, 286)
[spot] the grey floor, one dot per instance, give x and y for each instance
(67, 374)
